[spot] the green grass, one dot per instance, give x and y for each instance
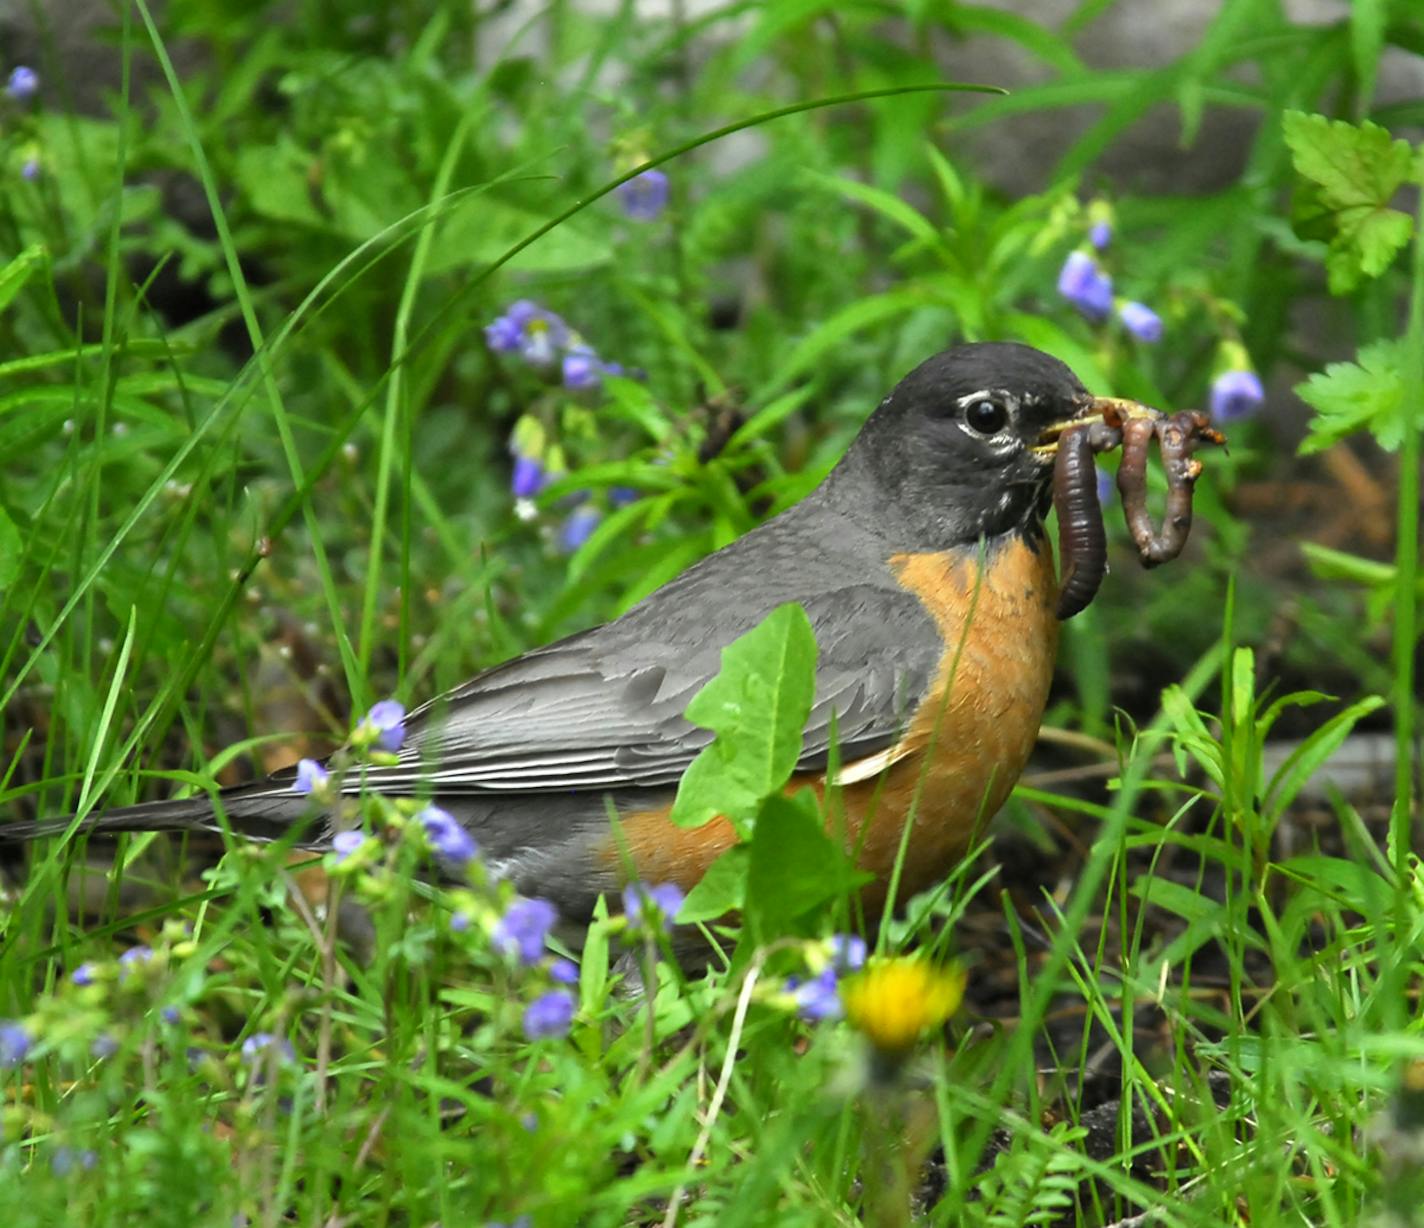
(232, 517)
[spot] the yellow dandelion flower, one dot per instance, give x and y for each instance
(897, 998)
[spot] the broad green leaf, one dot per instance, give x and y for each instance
(757, 706)
(1366, 395)
(1352, 172)
(722, 889)
(15, 274)
(795, 867)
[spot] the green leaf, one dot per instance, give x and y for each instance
(15, 274)
(757, 706)
(1308, 757)
(1354, 396)
(1352, 172)
(722, 889)
(795, 868)
(11, 547)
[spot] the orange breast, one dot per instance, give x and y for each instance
(964, 747)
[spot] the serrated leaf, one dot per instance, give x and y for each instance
(1352, 396)
(1353, 172)
(757, 706)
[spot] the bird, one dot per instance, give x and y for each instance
(923, 565)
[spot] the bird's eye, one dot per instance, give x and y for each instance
(985, 416)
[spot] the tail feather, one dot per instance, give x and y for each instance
(256, 812)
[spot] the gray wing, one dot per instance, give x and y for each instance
(603, 709)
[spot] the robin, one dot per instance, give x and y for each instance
(923, 566)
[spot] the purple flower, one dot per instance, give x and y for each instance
(388, 718)
(523, 928)
(549, 1014)
(169, 1014)
(622, 496)
(104, 1046)
(65, 1158)
(1084, 285)
(565, 971)
(1105, 486)
(578, 528)
(848, 952)
(582, 370)
(344, 843)
(83, 975)
(448, 839)
(818, 998)
(645, 905)
(30, 169)
(1141, 321)
(528, 477)
(134, 958)
(1236, 394)
(24, 83)
(503, 335)
(459, 922)
(311, 777)
(256, 1047)
(1100, 235)
(14, 1043)
(644, 197)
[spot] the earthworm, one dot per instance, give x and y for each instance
(1177, 436)
(1082, 540)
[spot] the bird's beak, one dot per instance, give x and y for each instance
(1112, 410)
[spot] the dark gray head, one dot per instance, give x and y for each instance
(948, 457)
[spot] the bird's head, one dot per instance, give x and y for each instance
(964, 446)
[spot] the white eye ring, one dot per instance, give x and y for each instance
(984, 415)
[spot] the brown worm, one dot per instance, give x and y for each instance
(1082, 540)
(1177, 436)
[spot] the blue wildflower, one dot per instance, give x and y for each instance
(1141, 321)
(1236, 394)
(311, 777)
(169, 1014)
(579, 527)
(523, 928)
(65, 1159)
(256, 1046)
(1105, 485)
(565, 971)
(1086, 286)
(83, 975)
(104, 1046)
(344, 843)
(550, 1014)
(15, 1043)
(818, 998)
(447, 838)
(24, 83)
(30, 169)
(848, 952)
(387, 718)
(622, 496)
(1100, 235)
(528, 477)
(503, 335)
(581, 370)
(644, 197)
(134, 958)
(648, 905)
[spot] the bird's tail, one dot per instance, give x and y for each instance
(255, 812)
